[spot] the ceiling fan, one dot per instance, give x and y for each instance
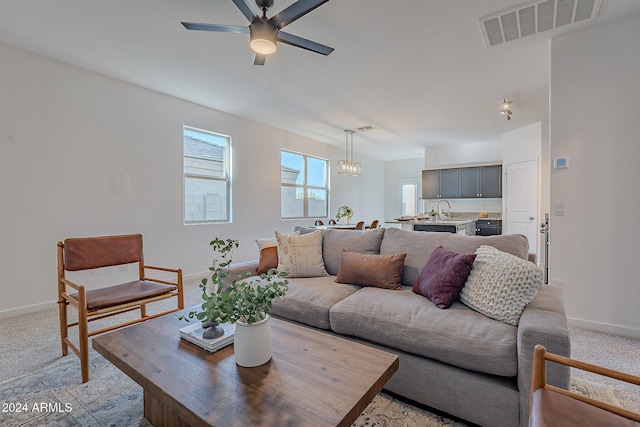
(264, 33)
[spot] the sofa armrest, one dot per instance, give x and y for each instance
(249, 268)
(544, 322)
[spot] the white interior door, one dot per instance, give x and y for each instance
(522, 202)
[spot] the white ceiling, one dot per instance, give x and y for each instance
(417, 71)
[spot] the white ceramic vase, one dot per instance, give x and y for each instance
(346, 219)
(252, 343)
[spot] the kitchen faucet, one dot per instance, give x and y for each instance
(438, 208)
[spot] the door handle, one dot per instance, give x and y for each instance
(531, 218)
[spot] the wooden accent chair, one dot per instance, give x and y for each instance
(319, 222)
(374, 224)
(88, 253)
(360, 225)
(557, 407)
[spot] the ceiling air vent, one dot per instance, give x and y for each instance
(535, 17)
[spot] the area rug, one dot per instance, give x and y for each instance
(53, 396)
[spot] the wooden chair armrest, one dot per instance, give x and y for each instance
(170, 270)
(67, 282)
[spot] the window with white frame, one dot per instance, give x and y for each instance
(207, 176)
(304, 186)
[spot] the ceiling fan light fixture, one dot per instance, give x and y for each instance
(263, 38)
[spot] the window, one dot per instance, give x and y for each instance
(304, 188)
(207, 176)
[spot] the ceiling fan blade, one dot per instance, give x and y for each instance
(307, 44)
(215, 27)
(259, 59)
(295, 11)
(246, 10)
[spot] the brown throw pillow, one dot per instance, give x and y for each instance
(444, 276)
(268, 259)
(382, 271)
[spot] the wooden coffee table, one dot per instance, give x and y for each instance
(314, 378)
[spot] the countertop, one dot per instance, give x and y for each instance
(443, 221)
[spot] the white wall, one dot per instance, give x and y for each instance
(594, 121)
(82, 154)
(462, 155)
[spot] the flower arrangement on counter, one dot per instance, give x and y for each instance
(344, 211)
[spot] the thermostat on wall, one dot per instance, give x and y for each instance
(560, 163)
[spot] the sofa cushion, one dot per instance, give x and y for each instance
(382, 271)
(501, 285)
(301, 255)
(443, 277)
(308, 300)
(364, 242)
(404, 320)
(418, 245)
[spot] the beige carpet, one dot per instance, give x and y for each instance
(53, 396)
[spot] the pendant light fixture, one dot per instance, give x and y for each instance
(348, 166)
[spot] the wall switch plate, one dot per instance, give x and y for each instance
(558, 209)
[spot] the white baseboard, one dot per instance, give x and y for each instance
(604, 327)
(5, 314)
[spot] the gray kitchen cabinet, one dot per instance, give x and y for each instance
(481, 182)
(469, 187)
(431, 184)
(440, 183)
(449, 183)
(490, 181)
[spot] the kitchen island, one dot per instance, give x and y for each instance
(464, 226)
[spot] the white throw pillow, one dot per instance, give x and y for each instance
(269, 242)
(301, 255)
(501, 285)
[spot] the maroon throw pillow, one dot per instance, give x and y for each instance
(381, 271)
(444, 276)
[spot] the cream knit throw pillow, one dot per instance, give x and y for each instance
(501, 285)
(301, 255)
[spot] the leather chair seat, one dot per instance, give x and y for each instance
(124, 293)
(552, 409)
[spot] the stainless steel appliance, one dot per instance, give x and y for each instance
(488, 227)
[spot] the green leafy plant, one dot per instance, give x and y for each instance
(241, 300)
(344, 211)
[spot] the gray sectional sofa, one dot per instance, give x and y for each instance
(455, 360)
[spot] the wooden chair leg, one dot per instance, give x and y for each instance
(64, 329)
(180, 290)
(83, 336)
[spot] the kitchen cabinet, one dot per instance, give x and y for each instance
(483, 181)
(462, 183)
(440, 183)
(456, 227)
